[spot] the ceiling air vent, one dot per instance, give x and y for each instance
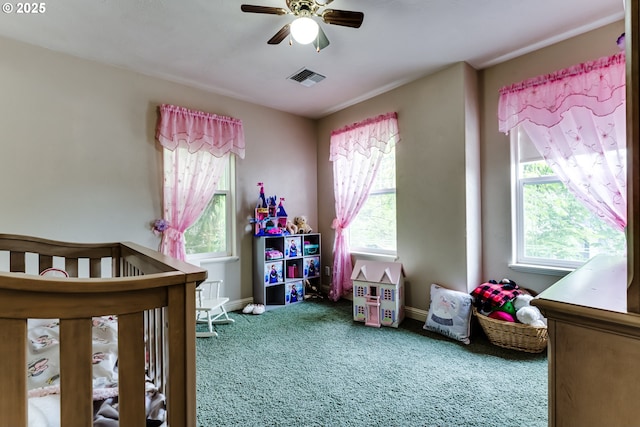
(306, 77)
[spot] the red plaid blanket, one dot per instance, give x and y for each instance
(489, 295)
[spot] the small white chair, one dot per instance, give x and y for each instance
(210, 307)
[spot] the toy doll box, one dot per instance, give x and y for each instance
(294, 292)
(292, 246)
(312, 266)
(273, 272)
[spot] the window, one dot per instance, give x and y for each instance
(551, 227)
(374, 229)
(211, 234)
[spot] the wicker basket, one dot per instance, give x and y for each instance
(516, 336)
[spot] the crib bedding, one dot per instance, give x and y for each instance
(43, 375)
(43, 357)
(44, 411)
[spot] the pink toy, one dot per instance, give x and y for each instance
(501, 315)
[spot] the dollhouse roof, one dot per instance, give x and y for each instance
(378, 272)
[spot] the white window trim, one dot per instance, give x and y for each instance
(518, 261)
(365, 252)
(372, 251)
(520, 255)
(231, 253)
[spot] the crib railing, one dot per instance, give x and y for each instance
(153, 297)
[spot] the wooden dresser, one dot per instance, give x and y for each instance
(594, 347)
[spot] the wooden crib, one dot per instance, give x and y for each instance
(152, 296)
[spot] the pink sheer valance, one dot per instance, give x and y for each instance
(597, 85)
(198, 130)
(379, 132)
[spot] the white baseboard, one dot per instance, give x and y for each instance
(416, 313)
(238, 304)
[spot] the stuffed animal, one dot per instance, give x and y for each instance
(522, 301)
(507, 307)
(531, 315)
(527, 313)
(301, 223)
(291, 227)
(502, 315)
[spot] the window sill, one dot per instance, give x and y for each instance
(373, 256)
(214, 260)
(541, 269)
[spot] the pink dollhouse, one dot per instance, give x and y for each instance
(378, 293)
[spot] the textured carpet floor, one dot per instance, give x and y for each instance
(310, 365)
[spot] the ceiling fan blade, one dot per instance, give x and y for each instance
(321, 41)
(263, 9)
(346, 18)
(280, 35)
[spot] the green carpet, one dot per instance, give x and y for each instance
(310, 365)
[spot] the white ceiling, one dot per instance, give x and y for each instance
(211, 44)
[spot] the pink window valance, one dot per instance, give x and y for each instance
(379, 132)
(597, 85)
(197, 130)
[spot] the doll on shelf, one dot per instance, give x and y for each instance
(311, 271)
(294, 293)
(273, 275)
(293, 248)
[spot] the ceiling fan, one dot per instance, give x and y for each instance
(304, 29)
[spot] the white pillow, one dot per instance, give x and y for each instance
(449, 313)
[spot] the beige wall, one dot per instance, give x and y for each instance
(496, 203)
(433, 180)
(80, 162)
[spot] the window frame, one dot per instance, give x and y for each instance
(380, 192)
(520, 256)
(230, 221)
(519, 261)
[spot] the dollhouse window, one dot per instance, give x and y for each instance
(360, 291)
(387, 294)
(210, 235)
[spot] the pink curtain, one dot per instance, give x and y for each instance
(576, 119)
(356, 151)
(197, 146)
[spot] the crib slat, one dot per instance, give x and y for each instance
(17, 262)
(76, 373)
(95, 267)
(71, 266)
(44, 262)
(13, 377)
(131, 370)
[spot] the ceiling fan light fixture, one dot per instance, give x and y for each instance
(304, 30)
